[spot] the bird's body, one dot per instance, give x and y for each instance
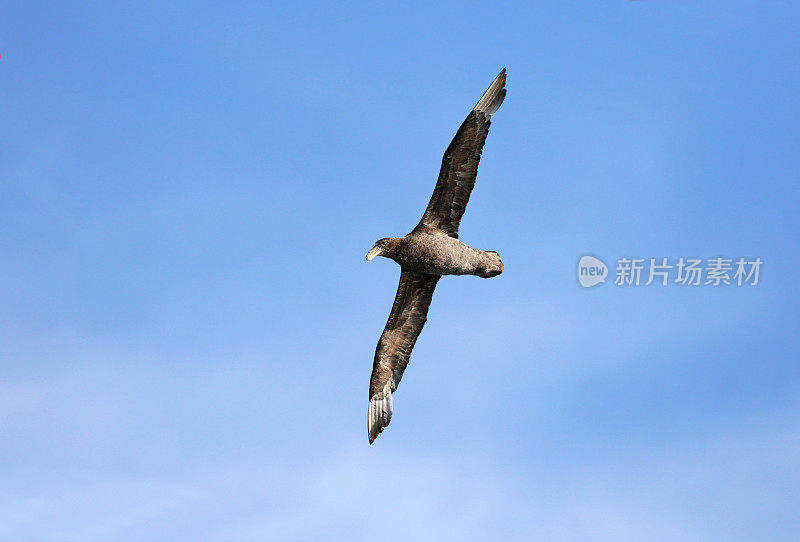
(430, 251)
(436, 254)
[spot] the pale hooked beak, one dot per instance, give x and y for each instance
(375, 251)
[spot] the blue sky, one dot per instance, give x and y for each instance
(187, 193)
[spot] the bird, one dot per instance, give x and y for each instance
(431, 250)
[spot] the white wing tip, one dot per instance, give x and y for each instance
(493, 97)
(379, 414)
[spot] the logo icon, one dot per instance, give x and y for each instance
(591, 271)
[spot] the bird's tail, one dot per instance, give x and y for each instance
(494, 266)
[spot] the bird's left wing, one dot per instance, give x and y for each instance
(409, 312)
(460, 164)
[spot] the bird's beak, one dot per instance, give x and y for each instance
(375, 251)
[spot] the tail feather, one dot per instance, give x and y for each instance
(493, 268)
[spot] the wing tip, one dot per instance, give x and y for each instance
(379, 414)
(493, 97)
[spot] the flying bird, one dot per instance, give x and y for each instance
(431, 250)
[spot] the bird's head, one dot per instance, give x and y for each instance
(383, 247)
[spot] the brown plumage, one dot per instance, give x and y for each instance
(431, 250)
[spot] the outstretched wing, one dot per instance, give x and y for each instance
(460, 165)
(409, 312)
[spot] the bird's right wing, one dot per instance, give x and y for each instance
(460, 165)
(409, 312)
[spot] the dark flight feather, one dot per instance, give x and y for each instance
(460, 165)
(409, 312)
